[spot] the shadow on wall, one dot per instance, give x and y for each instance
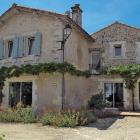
(106, 123)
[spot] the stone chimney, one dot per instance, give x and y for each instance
(77, 14)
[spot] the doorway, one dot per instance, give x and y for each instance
(20, 92)
(113, 93)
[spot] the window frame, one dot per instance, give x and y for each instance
(9, 53)
(29, 48)
(112, 84)
(91, 67)
(6, 48)
(117, 46)
(112, 49)
(21, 93)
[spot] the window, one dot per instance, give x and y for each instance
(95, 61)
(113, 93)
(30, 44)
(138, 39)
(10, 48)
(118, 50)
(20, 92)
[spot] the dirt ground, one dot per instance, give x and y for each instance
(127, 128)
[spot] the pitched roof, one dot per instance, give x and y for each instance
(63, 17)
(116, 22)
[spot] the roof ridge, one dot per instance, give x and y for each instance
(36, 9)
(62, 16)
(116, 22)
(124, 24)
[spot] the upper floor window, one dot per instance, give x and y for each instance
(95, 61)
(9, 48)
(138, 39)
(30, 44)
(20, 46)
(118, 50)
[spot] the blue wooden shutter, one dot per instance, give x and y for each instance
(15, 47)
(1, 48)
(21, 47)
(36, 48)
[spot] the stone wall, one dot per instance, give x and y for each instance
(46, 91)
(79, 90)
(51, 28)
(76, 51)
(49, 91)
(118, 33)
(26, 24)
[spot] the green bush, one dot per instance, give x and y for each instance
(66, 119)
(18, 114)
(47, 119)
(2, 137)
(25, 115)
(7, 115)
(69, 118)
(97, 102)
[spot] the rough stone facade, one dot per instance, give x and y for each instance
(47, 89)
(129, 37)
(79, 90)
(118, 33)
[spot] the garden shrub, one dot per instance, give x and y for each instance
(18, 114)
(47, 119)
(68, 118)
(24, 114)
(2, 137)
(7, 115)
(97, 102)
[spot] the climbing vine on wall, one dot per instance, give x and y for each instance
(36, 69)
(130, 74)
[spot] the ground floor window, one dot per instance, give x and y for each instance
(20, 92)
(114, 94)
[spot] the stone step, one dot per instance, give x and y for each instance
(135, 114)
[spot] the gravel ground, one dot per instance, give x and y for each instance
(127, 128)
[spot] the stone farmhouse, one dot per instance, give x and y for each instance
(33, 36)
(118, 44)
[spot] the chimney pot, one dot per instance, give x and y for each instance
(14, 5)
(68, 13)
(77, 14)
(77, 5)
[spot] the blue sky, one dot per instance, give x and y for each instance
(96, 13)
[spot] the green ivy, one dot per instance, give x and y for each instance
(130, 73)
(36, 69)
